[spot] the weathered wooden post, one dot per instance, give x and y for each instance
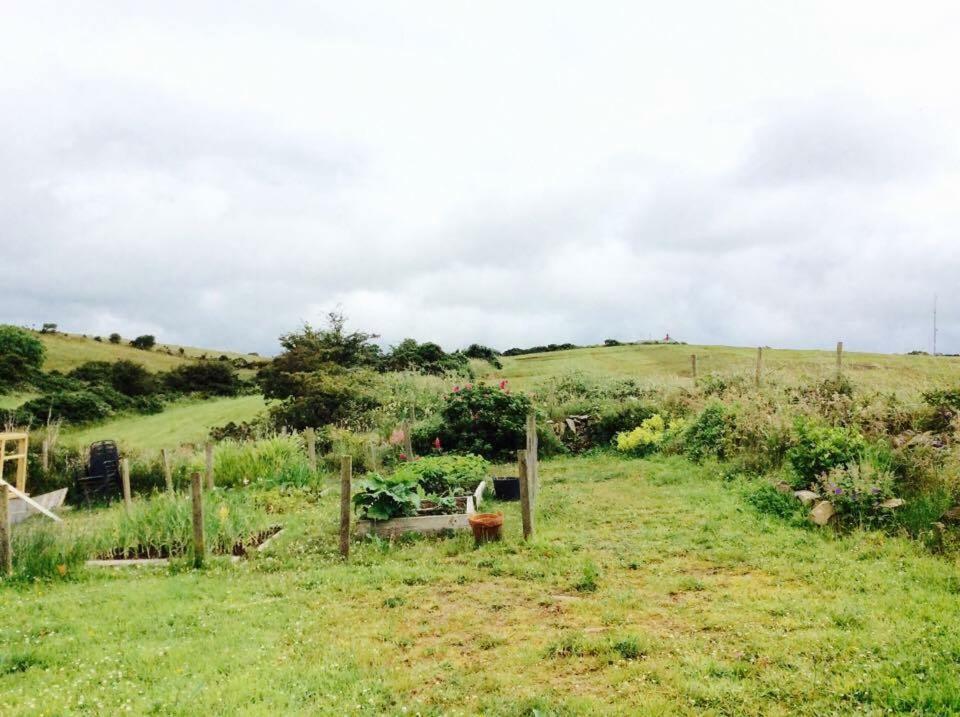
(407, 440)
(125, 480)
(45, 455)
(693, 367)
(526, 512)
(346, 472)
(533, 465)
(196, 496)
(6, 549)
(167, 475)
(756, 378)
(839, 358)
(209, 456)
(311, 436)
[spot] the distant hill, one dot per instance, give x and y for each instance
(67, 351)
(670, 363)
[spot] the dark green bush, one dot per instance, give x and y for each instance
(71, 406)
(618, 419)
(484, 353)
(705, 437)
(818, 448)
(766, 499)
(427, 357)
(21, 356)
(214, 378)
(145, 342)
(485, 420)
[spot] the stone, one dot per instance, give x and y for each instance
(951, 516)
(892, 503)
(822, 512)
(783, 487)
(806, 496)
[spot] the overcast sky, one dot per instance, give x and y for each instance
(215, 173)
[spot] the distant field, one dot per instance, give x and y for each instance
(187, 422)
(671, 363)
(67, 351)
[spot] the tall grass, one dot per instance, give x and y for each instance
(158, 526)
(268, 461)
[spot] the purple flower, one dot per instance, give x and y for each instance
(838, 491)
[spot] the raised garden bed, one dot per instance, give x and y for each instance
(425, 524)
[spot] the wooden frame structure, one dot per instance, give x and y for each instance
(19, 455)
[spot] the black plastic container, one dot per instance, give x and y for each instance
(506, 488)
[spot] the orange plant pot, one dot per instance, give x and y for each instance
(486, 527)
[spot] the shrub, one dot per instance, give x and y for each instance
(446, 475)
(71, 406)
(648, 436)
(214, 378)
(132, 379)
(427, 357)
(856, 492)
(484, 353)
(145, 342)
(21, 356)
(706, 436)
(765, 498)
(381, 498)
(818, 448)
(115, 338)
(335, 395)
(621, 418)
(484, 420)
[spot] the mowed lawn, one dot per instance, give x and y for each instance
(672, 364)
(651, 588)
(187, 422)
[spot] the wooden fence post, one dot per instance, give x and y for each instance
(167, 475)
(45, 455)
(209, 456)
(22, 445)
(839, 358)
(311, 448)
(346, 472)
(693, 367)
(196, 495)
(6, 549)
(526, 513)
(756, 378)
(125, 479)
(407, 440)
(533, 465)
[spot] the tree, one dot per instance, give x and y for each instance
(323, 375)
(484, 353)
(115, 338)
(48, 329)
(145, 342)
(21, 356)
(427, 357)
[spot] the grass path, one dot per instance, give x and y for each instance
(651, 588)
(186, 422)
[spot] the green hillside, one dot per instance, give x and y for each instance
(67, 351)
(671, 363)
(187, 422)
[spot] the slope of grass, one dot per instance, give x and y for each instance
(67, 351)
(671, 363)
(10, 401)
(180, 423)
(651, 588)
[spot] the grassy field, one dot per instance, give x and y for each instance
(180, 423)
(671, 364)
(651, 588)
(67, 351)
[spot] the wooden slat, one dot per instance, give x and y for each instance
(30, 501)
(425, 524)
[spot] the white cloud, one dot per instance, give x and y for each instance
(216, 172)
